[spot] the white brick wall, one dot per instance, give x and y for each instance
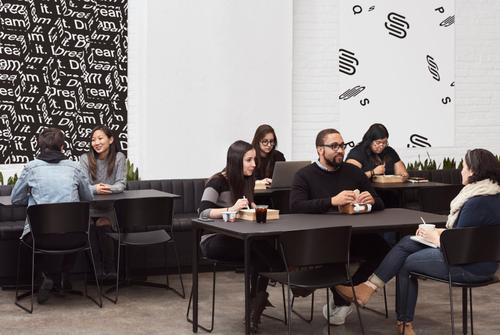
(315, 77)
(315, 73)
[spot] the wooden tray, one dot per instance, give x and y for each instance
(249, 214)
(388, 179)
(260, 185)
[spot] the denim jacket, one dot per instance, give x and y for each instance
(41, 183)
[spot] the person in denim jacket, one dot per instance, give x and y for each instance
(51, 178)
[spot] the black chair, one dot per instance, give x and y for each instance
(466, 246)
(59, 221)
(134, 216)
(236, 265)
(315, 259)
(309, 319)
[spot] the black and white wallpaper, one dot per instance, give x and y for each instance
(63, 63)
(397, 67)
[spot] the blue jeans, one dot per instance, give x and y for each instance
(408, 256)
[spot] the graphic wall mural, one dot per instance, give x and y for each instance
(63, 63)
(397, 67)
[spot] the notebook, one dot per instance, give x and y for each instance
(421, 240)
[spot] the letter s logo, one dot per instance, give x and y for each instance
(397, 25)
(364, 102)
(446, 100)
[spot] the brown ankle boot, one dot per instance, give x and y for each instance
(404, 328)
(258, 306)
(363, 293)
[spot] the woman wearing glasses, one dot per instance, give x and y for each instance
(265, 143)
(374, 156)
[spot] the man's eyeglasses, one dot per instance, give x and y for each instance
(381, 143)
(268, 143)
(336, 146)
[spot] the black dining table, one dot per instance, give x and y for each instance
(101, 198)
(392, 219)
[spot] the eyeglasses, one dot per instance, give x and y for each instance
(268, 143)
(381, 143)
(335, 146)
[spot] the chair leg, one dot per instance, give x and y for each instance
(284, 304)
(20, 296)
(289, 310)
(118, 261)
(471, 314)
(90, 256)
(309, 320)
(385, 304)
(183, 293)
(284, 308)
(209, 330)
(451, 309)
(358, 309)
(328, 310)
(465, 315)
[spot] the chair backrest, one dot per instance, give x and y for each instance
(190, 190)
(134, 215)
(471, 245)
(316, 247)
(437, 199)
(59, 218)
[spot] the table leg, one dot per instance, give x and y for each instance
(247, 285)
(196, 254)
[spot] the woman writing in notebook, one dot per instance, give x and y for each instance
(232, 190)
(478, 203)
(374, 156)
(265, 143)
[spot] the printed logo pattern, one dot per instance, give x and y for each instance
(352, 92)
(448, 21)
(433, 68)
(63, 63)
(406, 82)
(347, 62)
(397, 25)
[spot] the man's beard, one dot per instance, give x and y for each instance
(334, 163)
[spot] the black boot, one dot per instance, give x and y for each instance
(258, 306)
(44, 290)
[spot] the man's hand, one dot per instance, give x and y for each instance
(343, 198)
(365, 198)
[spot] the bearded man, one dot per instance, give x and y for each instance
(327, 184)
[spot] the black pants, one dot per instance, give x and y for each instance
(370, 249)
(263, 257)
(53, 265)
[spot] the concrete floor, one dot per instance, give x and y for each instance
(144, 310)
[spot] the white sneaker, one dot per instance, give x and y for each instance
(338, 314)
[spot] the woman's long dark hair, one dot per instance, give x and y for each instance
(483, 164)
(239, 184)
(376, 131)
(260, 133)
(92, 155)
